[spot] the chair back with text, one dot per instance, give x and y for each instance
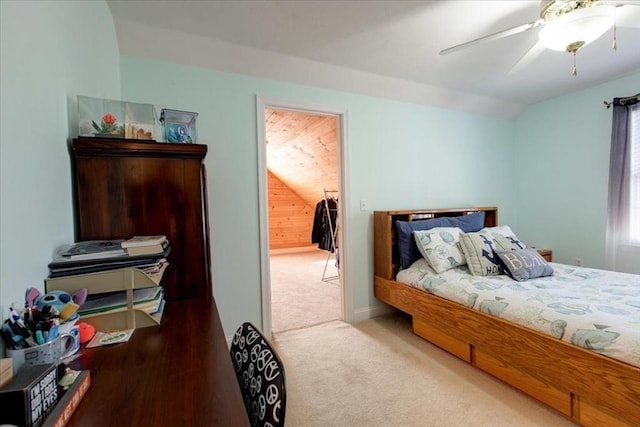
(260, 373)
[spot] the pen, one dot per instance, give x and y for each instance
(35, 314)
(53, 333)
(12, 336)
(22, 331)
(39, 336)
(8, 339)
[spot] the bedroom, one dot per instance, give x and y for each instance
(68, 50)
(483, 140)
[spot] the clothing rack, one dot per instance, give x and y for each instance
(331, 194)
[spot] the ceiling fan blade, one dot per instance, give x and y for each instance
(494, 36)
(527, 58)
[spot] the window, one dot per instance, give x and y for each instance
(623, 207)
(634, 214)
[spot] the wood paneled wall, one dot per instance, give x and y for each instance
(290, 217)
(302, 150)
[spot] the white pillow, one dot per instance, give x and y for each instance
(439, 246)
(504, 237)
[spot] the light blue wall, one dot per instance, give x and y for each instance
(399, 156)
(561, 159)
(50, 52)
(547, 170)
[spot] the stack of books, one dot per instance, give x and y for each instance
(147, 253)
(150, 300)
(145, 245)
(122, 278)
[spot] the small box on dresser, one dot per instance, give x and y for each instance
(6, 371)
(29, 398)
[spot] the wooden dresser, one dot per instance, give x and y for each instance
(130, 187)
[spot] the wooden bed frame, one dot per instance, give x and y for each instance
(588, 388)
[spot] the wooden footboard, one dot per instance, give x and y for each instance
(588, 388)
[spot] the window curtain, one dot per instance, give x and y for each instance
(620, 184)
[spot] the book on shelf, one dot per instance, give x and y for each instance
(144, 264)
(69, 401)
(155, 272)
(142, 241)
(148, 300)
(156, 249)
(92, 249)
(60, 261)
(106, 282)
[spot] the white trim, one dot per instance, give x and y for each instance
(343, 215)
(265, 272)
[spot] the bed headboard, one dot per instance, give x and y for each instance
(384, 242)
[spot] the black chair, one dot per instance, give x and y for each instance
(260, 373)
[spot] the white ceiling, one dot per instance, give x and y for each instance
(395, 39)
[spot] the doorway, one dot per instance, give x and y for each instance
(300, 160)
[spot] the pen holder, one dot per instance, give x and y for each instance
(43, 354)
(72, 329)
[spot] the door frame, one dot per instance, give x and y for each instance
(263, 102)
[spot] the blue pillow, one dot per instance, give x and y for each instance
(408, 251)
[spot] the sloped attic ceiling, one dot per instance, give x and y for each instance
(302, 151)
(394, 44)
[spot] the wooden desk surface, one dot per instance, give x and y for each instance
(176, 374)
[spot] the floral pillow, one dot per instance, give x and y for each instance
(440, 248)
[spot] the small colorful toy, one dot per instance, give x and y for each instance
(64, 303)
(86, 332)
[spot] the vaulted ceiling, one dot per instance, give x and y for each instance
(400, 40)
(302, 151)
(380, 48)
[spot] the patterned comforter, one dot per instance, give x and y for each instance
(595, 309)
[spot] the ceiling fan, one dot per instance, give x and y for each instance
(566, 25)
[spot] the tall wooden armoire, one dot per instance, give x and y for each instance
(129, 187)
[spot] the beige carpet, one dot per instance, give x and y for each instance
(378, 373)
(299, 297)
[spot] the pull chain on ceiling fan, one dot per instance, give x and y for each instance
(567, 25)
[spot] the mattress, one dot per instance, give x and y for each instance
(595, 309)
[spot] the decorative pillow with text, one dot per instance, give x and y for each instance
(478, 249)
(524, 264)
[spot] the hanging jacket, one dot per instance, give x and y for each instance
(323, 224)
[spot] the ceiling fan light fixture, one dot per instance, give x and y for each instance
(581, 25)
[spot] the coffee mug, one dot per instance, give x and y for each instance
(72, 329)
(50, 352)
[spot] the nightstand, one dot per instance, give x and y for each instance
(547, 254)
